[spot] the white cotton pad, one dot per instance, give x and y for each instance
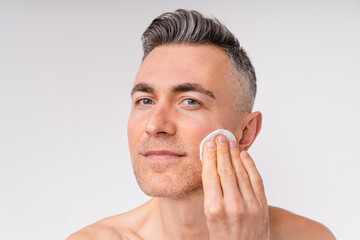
(211, 136)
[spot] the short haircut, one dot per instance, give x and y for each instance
(192, 28)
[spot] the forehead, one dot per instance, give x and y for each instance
(205, 64)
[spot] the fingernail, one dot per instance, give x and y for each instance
(245, 154)
(210, 145)
(233, 144)
(222, 139)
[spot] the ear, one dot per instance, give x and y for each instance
(252, 128)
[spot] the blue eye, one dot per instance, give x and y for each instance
(190, 104)
(191, 101)
(145, 101)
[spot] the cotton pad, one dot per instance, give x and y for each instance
(212, 136)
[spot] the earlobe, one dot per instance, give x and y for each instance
(252, 128)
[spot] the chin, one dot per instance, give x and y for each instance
(162, 186)
(168, 180)
(171, 193)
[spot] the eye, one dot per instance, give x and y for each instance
(144, 101)
(191, 101)
(190, 104)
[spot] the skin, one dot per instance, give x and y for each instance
(221, 198)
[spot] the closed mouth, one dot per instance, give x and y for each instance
(162, 153)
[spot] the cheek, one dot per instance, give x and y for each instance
(133, 132)
(195, 128)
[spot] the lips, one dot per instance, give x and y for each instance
(162, 155)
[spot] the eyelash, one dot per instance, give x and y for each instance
(141, 99)
(186, 99)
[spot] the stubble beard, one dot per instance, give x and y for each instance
(174, 180)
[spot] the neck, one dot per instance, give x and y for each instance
(182, 218)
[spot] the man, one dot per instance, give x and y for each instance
(195, 78)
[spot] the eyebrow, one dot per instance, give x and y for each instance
(184, 87)
(142, 87)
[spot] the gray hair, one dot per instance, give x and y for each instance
(191, 27)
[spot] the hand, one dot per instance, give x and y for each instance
(235, 202)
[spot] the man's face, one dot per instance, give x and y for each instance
(180, 95)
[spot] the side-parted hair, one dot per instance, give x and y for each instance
(192, 28)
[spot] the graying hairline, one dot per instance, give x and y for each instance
(240, 78)
(245, 100)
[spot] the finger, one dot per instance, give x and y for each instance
(210, 177)
(254, 176)
(242, 176)
(225, 168)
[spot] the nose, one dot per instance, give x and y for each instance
(161, 121)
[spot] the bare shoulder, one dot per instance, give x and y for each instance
(96, 231)
(111, 228)
(290, 226)
(119, 227)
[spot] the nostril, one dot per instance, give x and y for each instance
(162, 132)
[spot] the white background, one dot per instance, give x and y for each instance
(66, 71)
